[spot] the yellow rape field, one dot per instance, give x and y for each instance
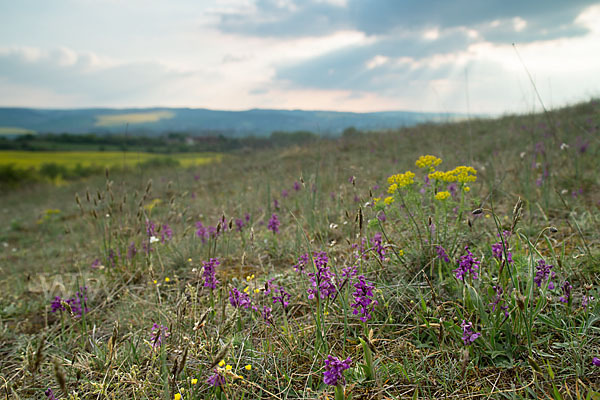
(133, 118)
(70, 159)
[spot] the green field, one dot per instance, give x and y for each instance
(9, 130)
(70, 159)
(451, 261)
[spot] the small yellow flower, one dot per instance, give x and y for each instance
(376, 200)
(194, 381)
(388, 200)
(467, 189)
(189, 260)
(152, 204)
(221, 363)
(442, 195)
(155, 282)
(428, 161)
(249, 277)
(464, 174)
(400, 252)
(256, 290)
(401, 180)
(247, 290)
(248, 367)
(167, 279)
(449, 176)
(177, 396)
(437, 175)
(228, 367)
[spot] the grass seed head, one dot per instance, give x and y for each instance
(517, 214)
(220, 355)
(39, 355)
(112, 342)
(59, 374)
(464, 362)
(360, 219)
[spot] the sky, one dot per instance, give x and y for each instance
(467, 56)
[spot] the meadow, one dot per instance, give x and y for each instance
(439, 261)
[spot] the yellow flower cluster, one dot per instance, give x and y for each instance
(439, 176)
(461, 174)
(400, 180)
(388, 200)
(428, 161)
(465, 174)
(442, 195)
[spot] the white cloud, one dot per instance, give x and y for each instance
(337, 3)
(377, 61)
(62, 73)
(519, 24)
(431, 34)
(62, 56)
(589, 18)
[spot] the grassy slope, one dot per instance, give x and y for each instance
(416, 331)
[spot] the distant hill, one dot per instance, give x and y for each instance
(202, 122)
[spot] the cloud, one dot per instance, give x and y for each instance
(277, 18)
(377, 66)
(407, 43)
(230, 58)
(415, 46)
(85, 75)
(543, 20)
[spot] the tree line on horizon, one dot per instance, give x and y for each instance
(169, 143)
